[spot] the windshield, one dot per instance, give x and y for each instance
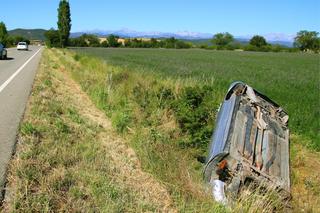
(22, 43)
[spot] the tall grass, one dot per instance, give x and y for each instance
(290, 79)
(142, 110)
(60, 164)
(165, 121)
(279, 75)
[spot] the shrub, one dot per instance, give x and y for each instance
(204, 46)
(222, 39)
(276, 48)
(121, 120)
(141, 96)
(76, 57)
(165, 97)
(52, 38)
(258, 41)
(194, 112)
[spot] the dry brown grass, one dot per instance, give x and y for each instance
(133, 175)
(79, 163)
(305, 177)
(164, 161)
(124, 161)
(304, 163)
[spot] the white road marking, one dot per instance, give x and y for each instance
(17, 72)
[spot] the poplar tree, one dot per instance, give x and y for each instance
(64, 22)
(3, 33)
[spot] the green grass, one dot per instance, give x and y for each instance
(168, 121)
(60, 164)
(148, 126)
(166, 117)
(290, 79)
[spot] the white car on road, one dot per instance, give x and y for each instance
(22, 46)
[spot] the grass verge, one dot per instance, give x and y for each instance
(163, 112)
(290, 79)
(69, 157)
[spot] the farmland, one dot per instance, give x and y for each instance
(164, 102)
(290, 79)
(132, 125)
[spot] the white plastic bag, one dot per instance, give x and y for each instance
(218, 191)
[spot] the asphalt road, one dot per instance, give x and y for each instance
(16, 78)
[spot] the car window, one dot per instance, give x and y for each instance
(22, 43)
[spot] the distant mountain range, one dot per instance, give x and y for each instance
(31, 34)
(273, 38)
(153, 34)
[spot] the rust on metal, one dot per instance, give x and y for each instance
(250, 142)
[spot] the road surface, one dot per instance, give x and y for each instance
(16, 78)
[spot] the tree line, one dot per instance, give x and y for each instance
(60, 37)
(89, 40)
(304, 41)
(9, 40)
(54, 38)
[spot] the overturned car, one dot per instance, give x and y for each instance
(250, 144)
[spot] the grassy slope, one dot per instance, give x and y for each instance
(32, 34)
(68, 158)
(57, 124)
(119, 99)
(111, 90)
(154, 127)
(290, 79)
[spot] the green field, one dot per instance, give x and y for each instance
(142, 119)
(290, 79)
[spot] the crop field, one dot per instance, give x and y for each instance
(290, 79)
(131, 127)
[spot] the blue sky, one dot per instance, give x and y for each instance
(207, 16)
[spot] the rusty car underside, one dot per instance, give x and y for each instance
(250, 144)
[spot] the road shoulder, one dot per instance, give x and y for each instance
(70, 159)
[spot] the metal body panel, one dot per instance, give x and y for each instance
(252, 135)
